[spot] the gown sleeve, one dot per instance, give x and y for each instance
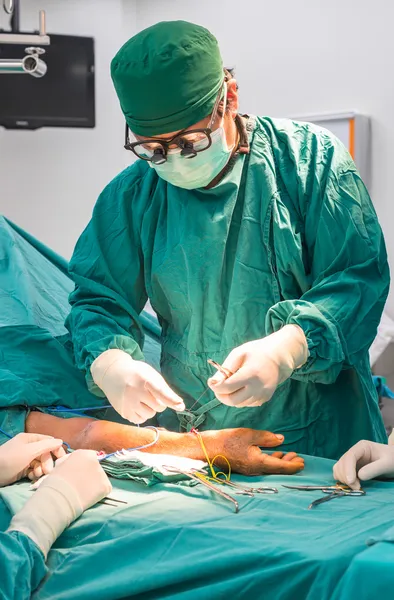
(347, 264)
(107, 268)
(22, 566)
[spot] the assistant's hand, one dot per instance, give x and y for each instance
(82, 471)
(364, 461)
(17, 455)
(135, 390)
(72, 487)
(258, 368)
(241, 447)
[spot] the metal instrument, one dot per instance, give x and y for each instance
(204, 481)
(226, 372)
(109, 501)
(337, 490)
(247, 491)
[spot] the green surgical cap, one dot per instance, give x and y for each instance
(167, 77)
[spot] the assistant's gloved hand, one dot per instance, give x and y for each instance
(135, 390)
(75, 485)
(258, 367)
(17, 455)
(364, 461)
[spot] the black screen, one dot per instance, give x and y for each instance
(64, 97)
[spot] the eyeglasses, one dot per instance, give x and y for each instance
(188, 142)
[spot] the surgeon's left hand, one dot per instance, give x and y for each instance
(18, 454)
(258, 367)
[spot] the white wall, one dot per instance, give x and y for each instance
(307, 57)
(50, 178)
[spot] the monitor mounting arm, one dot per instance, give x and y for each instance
(31, 63)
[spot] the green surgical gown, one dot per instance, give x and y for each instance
(22, 566)
(288, 236)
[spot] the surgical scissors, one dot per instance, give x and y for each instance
(337, 490)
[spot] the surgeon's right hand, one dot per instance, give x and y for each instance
(135, 390)
(364, 461)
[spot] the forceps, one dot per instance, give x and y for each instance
(112, 501)
(337, 490)
(247, 491)
(193, 475)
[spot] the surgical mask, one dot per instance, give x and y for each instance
(199, 171)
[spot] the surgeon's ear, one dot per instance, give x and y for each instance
(232, 98)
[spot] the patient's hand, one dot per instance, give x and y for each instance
(241, 447)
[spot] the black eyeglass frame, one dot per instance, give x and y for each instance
(165, 144)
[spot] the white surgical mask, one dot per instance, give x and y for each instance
(199, 171)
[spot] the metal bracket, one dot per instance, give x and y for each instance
(26, 39)
(8, 7)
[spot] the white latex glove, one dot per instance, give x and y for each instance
(75, 485)
(17, 455)
(135, 390)
(364, 461)
(258, 368)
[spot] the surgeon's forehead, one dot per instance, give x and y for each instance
(200, 125)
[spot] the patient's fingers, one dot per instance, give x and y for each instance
(37, 471)
(46, 463)
(59, 453)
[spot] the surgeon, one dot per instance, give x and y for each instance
(255, 241)
(72, 487)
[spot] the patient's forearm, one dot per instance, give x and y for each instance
(83, 432)
(241, 447)
(68, 430)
